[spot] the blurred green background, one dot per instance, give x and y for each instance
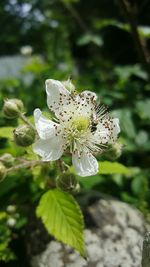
(91, 42)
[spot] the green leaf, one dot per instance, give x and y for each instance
(90, 38)
(137, 185)
(90, 182)
(126, 121)
(62, 218)
(6, 132)
(144, 31)
(142, 108)
(106, 167)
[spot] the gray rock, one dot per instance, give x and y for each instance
(115, 242)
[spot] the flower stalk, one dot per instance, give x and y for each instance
(25, 164)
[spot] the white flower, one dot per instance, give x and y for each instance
(26, 50)
(80, 125)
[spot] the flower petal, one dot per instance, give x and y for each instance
(85, 165)
(89, 94)
(45, 128)
(86, 103)
(57, 95)
(102, 133)
(50, 149)
(107, 131)
(115, 130)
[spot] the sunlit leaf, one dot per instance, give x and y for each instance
(106, 167)
(6, 132)
(62, 218)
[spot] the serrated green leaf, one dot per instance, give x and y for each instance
(106, 167)
(6, 132)
(62, 218)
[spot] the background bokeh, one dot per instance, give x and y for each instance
(91, 42)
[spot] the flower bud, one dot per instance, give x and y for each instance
(11, 208)
(3, 172)
(69, 85)
(67, 182)
(12, 108)
(26, 50)
(24, 135)
(11, 222)
(114, 151)
(7, 159)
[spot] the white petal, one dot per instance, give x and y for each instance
(107, 131)
(102, 133)
(56, 92)
(50, 149)
(86, 103)
(89, 94)
(85, 165)
(45, 128)
(115, 130)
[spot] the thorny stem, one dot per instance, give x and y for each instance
(25, 164)
(130, 14)
(146, 251)
(24, 119)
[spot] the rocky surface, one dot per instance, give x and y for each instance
(115, 241)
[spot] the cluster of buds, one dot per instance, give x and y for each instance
(12, 216)
(24, 135)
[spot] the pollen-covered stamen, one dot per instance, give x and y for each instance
(101, 111)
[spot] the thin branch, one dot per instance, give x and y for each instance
(75, 15)
(24, 119)
(25, 164)
(130, 13)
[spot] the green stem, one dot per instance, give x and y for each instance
(25, 164)
(24, 119)
(130, 14)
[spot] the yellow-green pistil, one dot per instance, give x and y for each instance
(81, 123)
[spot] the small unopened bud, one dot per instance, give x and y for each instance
(67, 182)
(12, 108)
(11, 222)
(24, 135)
(7, 159)
(114, 151)
(3, 172)
(69, 85)
(11, 208)
(26, 50)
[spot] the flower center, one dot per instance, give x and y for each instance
(81, 123)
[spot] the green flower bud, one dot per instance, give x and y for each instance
(3, 172)
(67, 182)
(11, 222)
(114, 151)
(7, 159)
(69, 85)
(24, 135)
(12, 108)
(11, 208)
